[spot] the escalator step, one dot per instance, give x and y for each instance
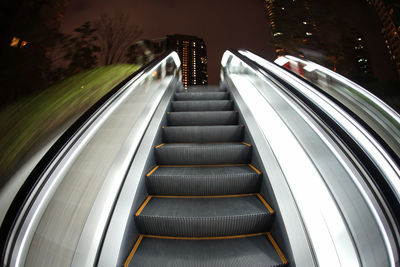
(203, 180)
(202, 88)
(202, 118)
(202, 96)
(212, 153)
(182, 134)
(202, 105)
(203, 216)
(255, 251)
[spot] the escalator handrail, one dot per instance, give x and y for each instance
(386, 110)
(383, 115)
(37, 178)
(371, 164)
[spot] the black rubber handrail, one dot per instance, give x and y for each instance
(20, 200)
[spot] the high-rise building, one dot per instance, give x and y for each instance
(292, 26)
(193, 54)
(360, 53)
(389, 14)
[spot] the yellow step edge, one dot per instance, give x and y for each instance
(278, 250)
(160, 145)
(204, 165)
(265, 203)
(201, 197)
(212, 196)
(135, 247)
(247, 144)
(207, 143)
(153, 170)
(143, 205)
(268, 234)
(204, 237)
(255, 169)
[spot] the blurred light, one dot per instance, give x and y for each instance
(14, 42)
(281, 61)
(309, 68)
(23, 43)
(308, 33)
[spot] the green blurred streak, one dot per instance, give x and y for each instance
(32, 119)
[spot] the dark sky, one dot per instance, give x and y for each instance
(223, 24)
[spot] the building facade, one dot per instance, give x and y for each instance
(361, 53)
(192, 52)
(389, 14)
(292, 26)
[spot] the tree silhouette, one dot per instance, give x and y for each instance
(82, 49)
(115, 34)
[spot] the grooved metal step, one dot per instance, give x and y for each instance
(213, 153)
(202, 105)
(202, 118)
(202, 96)
(202, 88)
(255, 251)
(203, 216)
(204, 208)
(182, 134)
(203, 180)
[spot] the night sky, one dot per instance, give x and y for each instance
(223, 24)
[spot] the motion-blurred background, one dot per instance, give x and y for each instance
(60, 56)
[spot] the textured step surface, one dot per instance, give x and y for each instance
(198, 153)
(195, 217)
(202, 118)
(202, 134)
(202, 96)
(249, 251)
(202, 88)
(202, 105)
(203, 187)
(204, 180)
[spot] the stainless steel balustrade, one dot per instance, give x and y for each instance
(372, 110)
(341, 216)
(78, 215)
(64, 220)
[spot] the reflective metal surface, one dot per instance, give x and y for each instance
(64, 220)
(343, 219)
(293, 224)
(372, 110)
(119, 222)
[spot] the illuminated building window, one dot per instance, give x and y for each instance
(23, 43)
(14, 42)
(17, 42)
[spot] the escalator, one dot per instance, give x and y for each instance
(204, 206)
(249, 173)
